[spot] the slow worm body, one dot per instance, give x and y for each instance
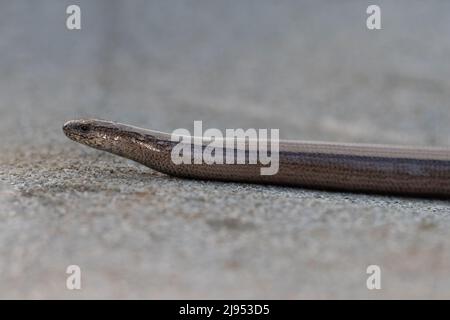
(332, 166)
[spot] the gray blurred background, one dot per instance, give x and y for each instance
(310, 68)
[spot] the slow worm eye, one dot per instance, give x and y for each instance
(84, 128)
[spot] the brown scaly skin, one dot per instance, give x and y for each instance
(348, 167)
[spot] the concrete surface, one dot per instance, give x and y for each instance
(309, 68)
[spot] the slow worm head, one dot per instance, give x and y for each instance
(384, 169)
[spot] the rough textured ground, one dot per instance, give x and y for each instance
(310, 68)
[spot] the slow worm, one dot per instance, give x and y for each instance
(419, 171)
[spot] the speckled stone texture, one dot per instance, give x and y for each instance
(309, 68)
